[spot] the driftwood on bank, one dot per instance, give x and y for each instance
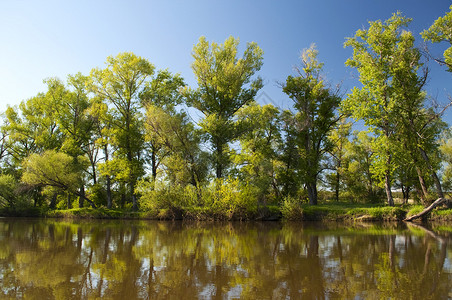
(427, 210)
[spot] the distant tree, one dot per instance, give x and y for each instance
(315, 106)
(224, 86)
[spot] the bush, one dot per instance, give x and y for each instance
(232, 198)
(157, 197)
(291, 208)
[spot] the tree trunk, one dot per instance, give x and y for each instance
(81, 198)
(388, 189)
(426, 211)
(135, 202)
(422, 184)
(53, 201)
(219, 171)
(69, 204)
(312, 192)
(153, 165)
(337, 185)
(439, 190)
(109, 200)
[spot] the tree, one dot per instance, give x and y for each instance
(160, 96)
(441, 30)
(420, 125)
(225, 85)
(71, 107)
(377, 51)
(258, 161)
(120, 84)
(315, 106)
(31, 128)
(178, 145)
(357, 167)
(8, 186)
(339, 139)
(102, 136)
(56, 170)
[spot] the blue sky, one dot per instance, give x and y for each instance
(41, 39)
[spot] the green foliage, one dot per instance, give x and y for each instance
(387, 62)
(54, 169)
(223, 199)
(121, 83)
(315, 106)
(291, 208)
(8, 186)
(224, 86)
(232, 198)
(258, 159)
(441, 31)
(156, 196)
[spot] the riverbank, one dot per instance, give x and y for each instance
(334, 211)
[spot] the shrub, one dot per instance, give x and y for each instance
(232, 198)
(291, 208)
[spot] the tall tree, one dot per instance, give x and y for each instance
(120, 84)
(225, 85)
(315, 104)
(377, 51)
(71, 106)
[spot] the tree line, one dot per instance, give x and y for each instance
(122, 135)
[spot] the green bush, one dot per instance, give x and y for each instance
(232, 198)
(291, 208)
(156, 197)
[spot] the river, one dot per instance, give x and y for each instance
(121, 259)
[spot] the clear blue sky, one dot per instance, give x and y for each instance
(41, 39)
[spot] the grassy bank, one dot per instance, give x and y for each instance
(323, 212)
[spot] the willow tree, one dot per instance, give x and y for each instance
(377, 52)
(225, 85)
(56, 170)
(315, 104)
(120, 84)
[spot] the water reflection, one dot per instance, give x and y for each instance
(50, 259)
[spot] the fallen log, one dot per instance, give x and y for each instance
(427, 210)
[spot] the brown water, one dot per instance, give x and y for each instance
(51, 259)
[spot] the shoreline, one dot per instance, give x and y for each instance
(323, 212)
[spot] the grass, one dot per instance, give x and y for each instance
(289, 210)
(346, 211)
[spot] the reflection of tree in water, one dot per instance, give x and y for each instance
(151, 260)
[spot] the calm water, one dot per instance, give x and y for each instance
(51, 259)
